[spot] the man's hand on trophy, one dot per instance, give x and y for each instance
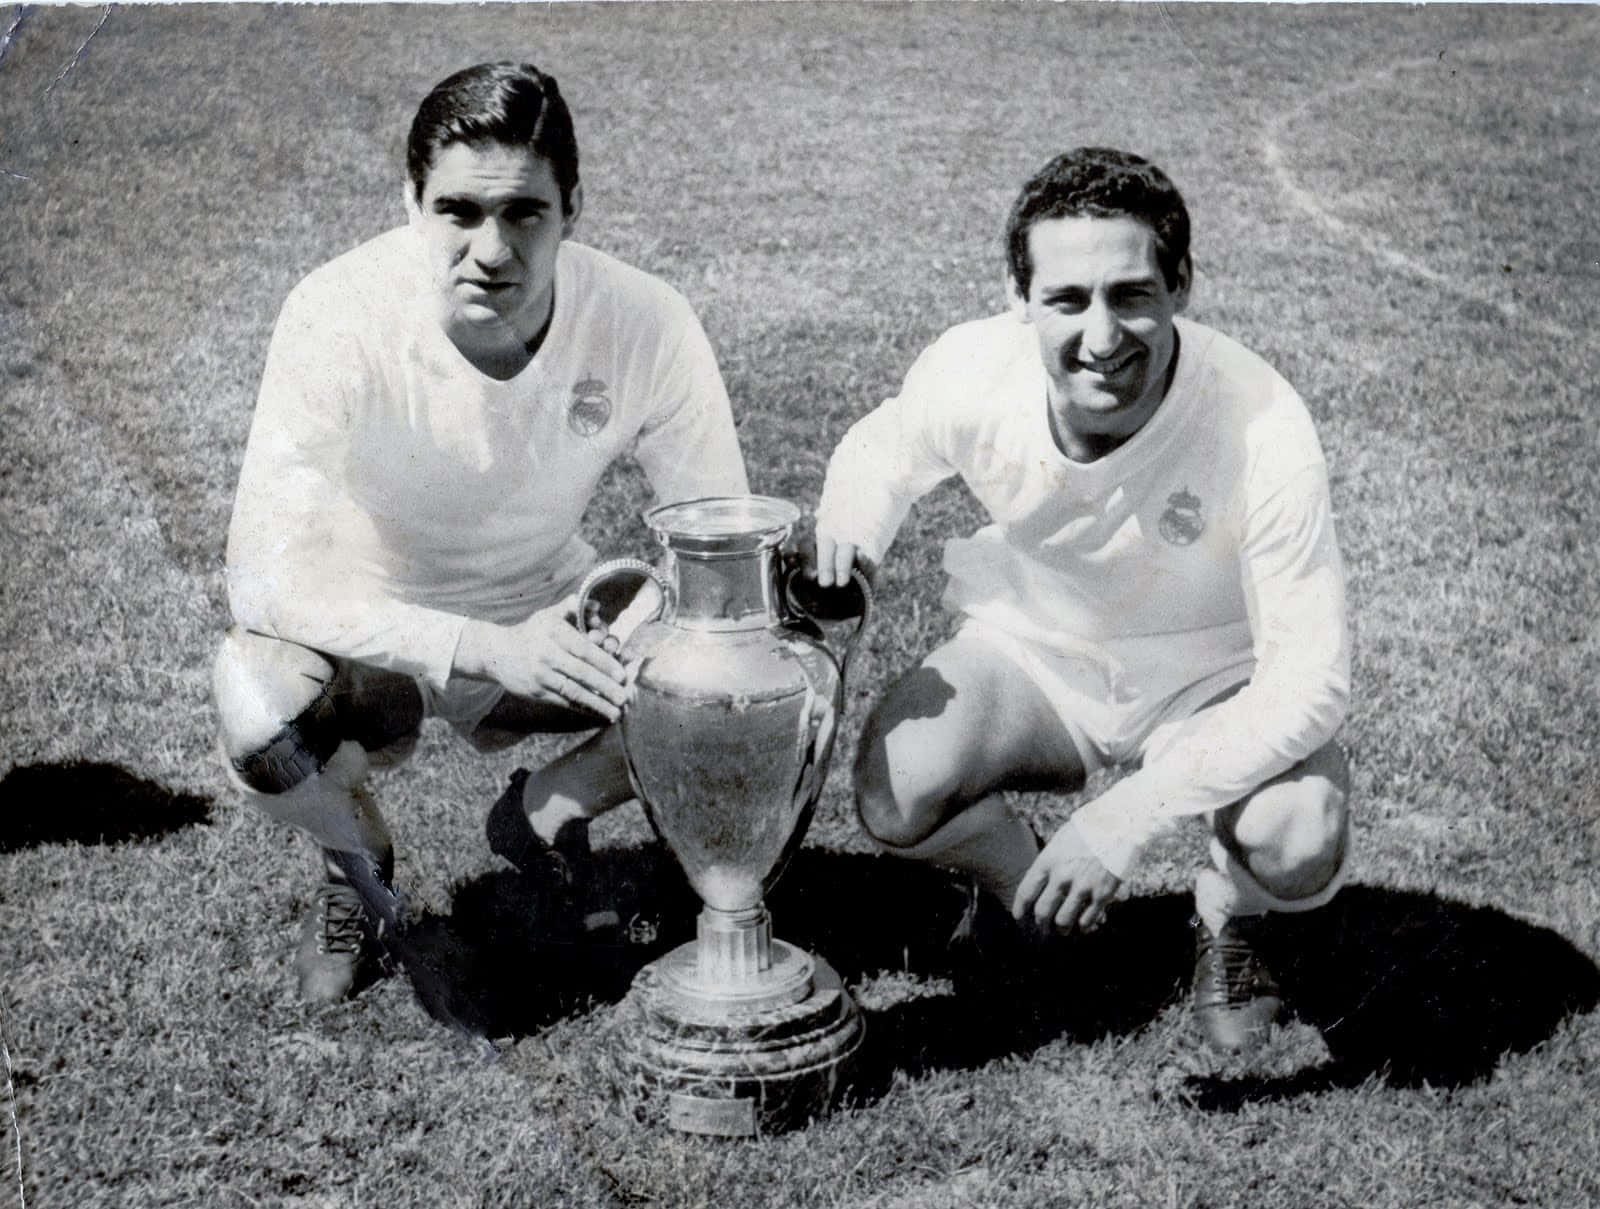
(1066, 887)
(834, 559)
(828, 582)
(547, 658)
(626, 594)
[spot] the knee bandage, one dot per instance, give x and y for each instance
(282, 744)
(277, 716)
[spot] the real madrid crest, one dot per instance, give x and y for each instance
(590, 409)
(1181, 523)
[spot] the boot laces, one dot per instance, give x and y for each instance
(1236, 974)
(344, 920)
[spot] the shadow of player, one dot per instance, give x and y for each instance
(81, 802)
(1413, 988)
(1001, 994)
(1403, 985)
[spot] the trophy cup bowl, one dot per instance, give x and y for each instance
(735, 698)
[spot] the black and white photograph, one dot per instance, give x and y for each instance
(799, 604)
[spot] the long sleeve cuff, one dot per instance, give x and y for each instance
(1117, 831)
(857, 507)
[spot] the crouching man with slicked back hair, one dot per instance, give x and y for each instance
(1160, 589)
(437, 408)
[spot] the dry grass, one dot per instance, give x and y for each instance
(1390, 204)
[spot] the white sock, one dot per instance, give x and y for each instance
(985, 840)
(1231, 891)
(577, 786)
(555, 814)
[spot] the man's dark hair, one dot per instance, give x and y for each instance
(511, 103)
(1099, 182)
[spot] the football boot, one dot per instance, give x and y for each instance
(336, 944)
(1236, 998)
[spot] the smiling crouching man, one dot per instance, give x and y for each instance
(1160, 589)
(437, 408)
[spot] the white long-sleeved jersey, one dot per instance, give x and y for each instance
(1203, 544)
(390, 490)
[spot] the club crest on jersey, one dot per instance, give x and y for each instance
(1181, 523)
(590, 410)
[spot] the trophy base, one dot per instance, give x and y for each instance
(736, 1062)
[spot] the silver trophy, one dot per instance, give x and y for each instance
(736, 698)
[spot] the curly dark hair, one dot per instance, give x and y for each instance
(1099, 182)
(511, 103)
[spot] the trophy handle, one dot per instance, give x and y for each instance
(811, 602)
(810, 605)
(606, 611)
(591, 610)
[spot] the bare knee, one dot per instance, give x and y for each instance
(1291, 832)
(880, 813)
(959, 725)
(592, 777)
(900, 800)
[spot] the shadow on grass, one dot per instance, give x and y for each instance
(1403, 986)
(1414, 989)
(870, 914)
(520, 965)
(88, 803)
(518, 962)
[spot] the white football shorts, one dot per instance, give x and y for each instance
(1113, 719)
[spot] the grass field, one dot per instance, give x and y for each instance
(1394, 205)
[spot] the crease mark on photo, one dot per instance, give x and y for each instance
(10, 35)
(105, 16)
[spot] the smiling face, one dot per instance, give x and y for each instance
(491, 218)
(1103, 313)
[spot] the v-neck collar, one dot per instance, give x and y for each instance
(535, 367)
(1126, 457)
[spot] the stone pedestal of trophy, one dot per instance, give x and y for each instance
(736, 697)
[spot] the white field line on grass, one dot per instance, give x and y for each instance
(1368, 240)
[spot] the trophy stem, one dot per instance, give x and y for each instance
(733, 947)
(735, 967)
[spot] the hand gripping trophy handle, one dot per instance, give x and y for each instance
(596, 609)
(816, 604)
(811, 606)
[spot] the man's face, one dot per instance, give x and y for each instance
(1104, 313)
(491, 218)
